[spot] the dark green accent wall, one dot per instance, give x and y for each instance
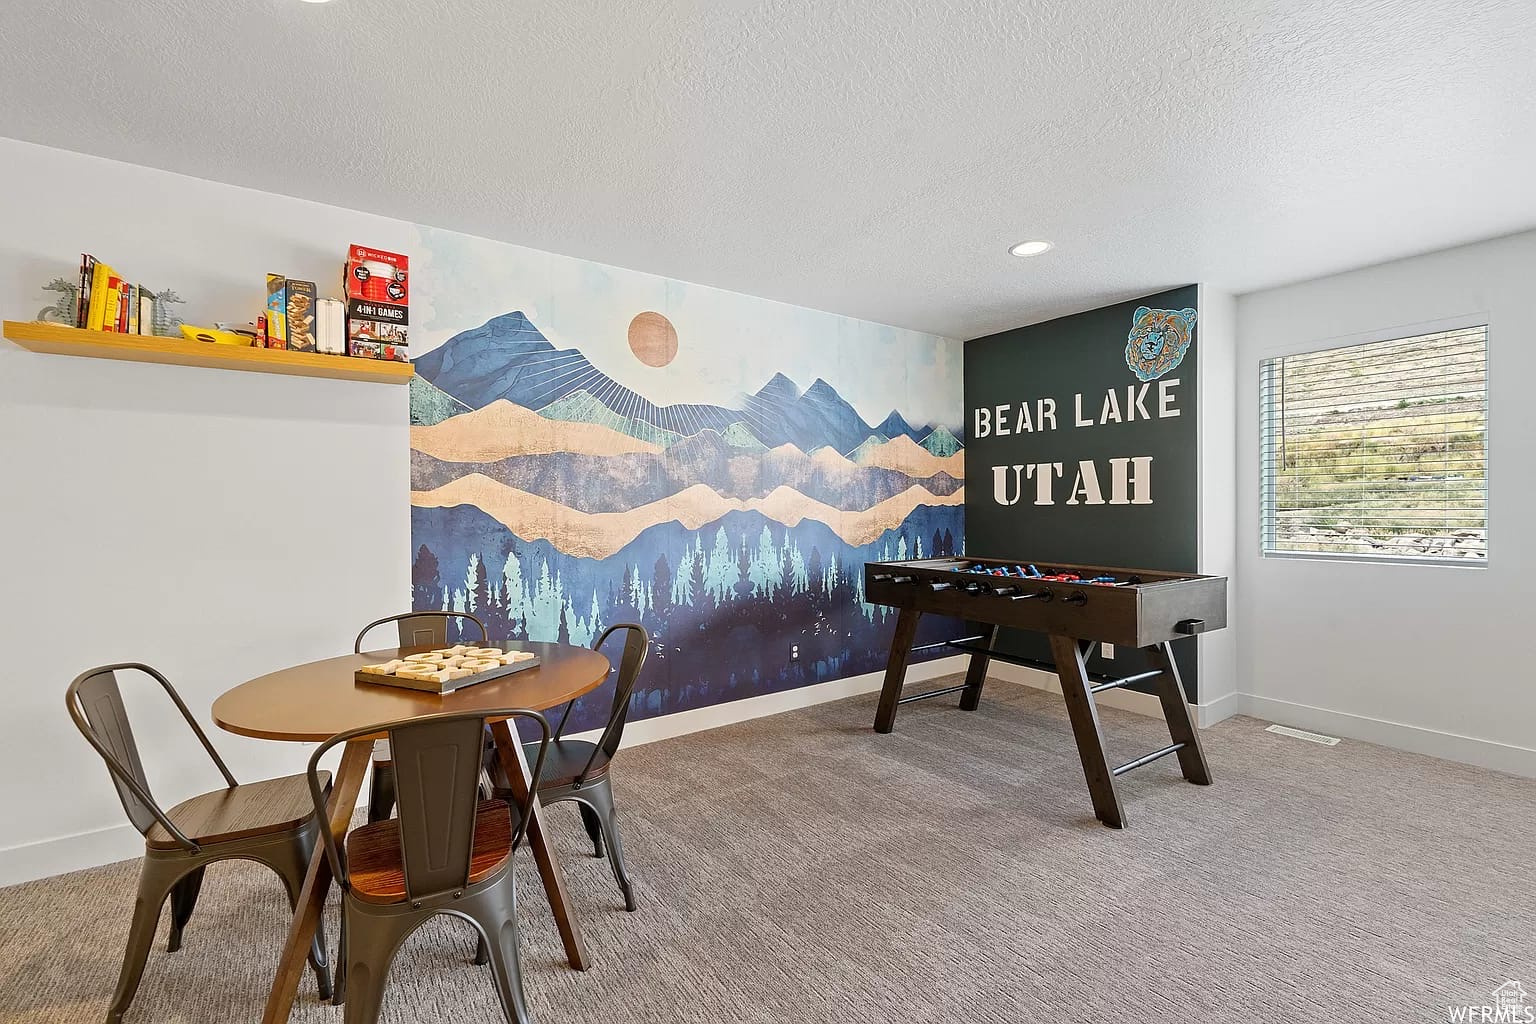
(1085, 355)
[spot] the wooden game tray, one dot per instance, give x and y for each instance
(448, 686)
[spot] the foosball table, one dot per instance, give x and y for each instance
(1078, 606)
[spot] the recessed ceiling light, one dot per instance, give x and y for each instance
(1034, 248)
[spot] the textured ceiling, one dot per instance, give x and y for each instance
(869, 157)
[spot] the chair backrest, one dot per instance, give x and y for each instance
(421, 629)
(636, 643)
(95, 702)
(437, 776)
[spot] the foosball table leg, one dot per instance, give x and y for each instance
(1072, 668)
(1181, 722)
(896, 669)
(976, 673)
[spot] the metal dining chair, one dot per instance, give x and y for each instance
(416, 629)
(272, 822)
(447, 852)
(577, 770)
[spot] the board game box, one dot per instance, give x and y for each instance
(448, 669)
(378, 303)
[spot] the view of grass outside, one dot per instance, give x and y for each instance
(1379, 449)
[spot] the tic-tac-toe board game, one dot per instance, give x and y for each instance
(1078, 606)
(448, 669)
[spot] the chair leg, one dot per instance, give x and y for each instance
(183, 902)
(381, 791)
(599, 797)
(594, 827)
(292, 870)
(495, 911)
(371, 945)
(156, 879)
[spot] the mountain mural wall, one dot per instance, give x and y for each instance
(552, 501)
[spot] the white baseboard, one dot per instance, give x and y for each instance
(1219, 710)
(63, 854)
(701, 719)
(1503, 757)
(1148, 704)
(1125, 700)
(119, 842)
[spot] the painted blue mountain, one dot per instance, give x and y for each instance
(895, 425)
(508, 357)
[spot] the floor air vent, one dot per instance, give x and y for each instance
(1300, 734)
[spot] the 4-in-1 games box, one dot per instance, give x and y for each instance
(378, 303)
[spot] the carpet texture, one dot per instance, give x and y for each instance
(802, 869)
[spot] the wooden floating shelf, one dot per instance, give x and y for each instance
(73, 341)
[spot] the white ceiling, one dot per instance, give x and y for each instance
(869, 157)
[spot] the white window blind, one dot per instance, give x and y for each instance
(1378, 452)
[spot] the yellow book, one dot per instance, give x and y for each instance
(99, 279)
(114, 305)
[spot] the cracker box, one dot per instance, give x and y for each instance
(277, 311)
(301, 316)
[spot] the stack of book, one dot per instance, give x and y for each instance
(108, 302)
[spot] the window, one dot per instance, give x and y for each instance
(1378, 452)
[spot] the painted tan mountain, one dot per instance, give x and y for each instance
(905, 455)
(501, 430)
(601, 534)
(615, 483)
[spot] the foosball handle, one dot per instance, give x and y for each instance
(881, 577)
(903, 579)
(1044, 595)
(1189, 627)
(1005, 591)
(939, 586)
(1077, 597)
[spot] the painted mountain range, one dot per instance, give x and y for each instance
(549, 501)
(508, 358)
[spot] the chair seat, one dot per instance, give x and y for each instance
(244, 812)
(565, 760)
(374, 858)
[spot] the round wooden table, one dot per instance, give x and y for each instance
(313, 702)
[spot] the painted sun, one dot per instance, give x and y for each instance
(652, 339)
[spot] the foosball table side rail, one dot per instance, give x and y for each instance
(1132, 616)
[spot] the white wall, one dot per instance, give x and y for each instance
(1218, 468)
(1426, 658)
(217, 525)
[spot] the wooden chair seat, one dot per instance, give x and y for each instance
(377, 872)
(565, 760)
(241, 812)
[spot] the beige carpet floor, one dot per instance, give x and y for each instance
(802, 869)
